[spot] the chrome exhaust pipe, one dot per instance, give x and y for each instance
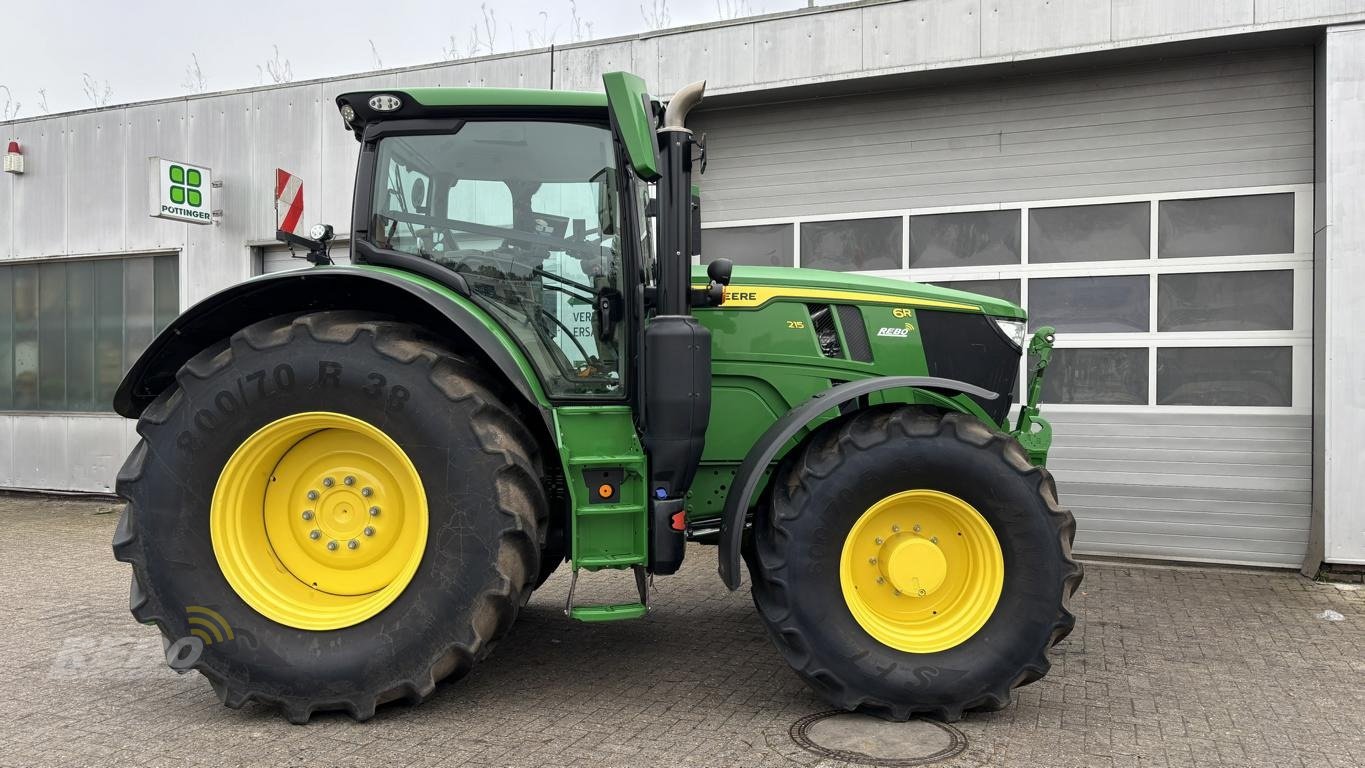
(687, 97)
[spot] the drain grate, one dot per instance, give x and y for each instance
(867, 740)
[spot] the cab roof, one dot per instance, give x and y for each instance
(418, 103)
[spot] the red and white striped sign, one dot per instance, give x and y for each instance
(288, 201)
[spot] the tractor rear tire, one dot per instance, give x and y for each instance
(475, 518)
(805, 583)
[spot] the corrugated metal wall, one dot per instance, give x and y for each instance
(1237, 120)
(1145, 482)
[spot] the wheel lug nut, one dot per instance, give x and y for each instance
(881, 580)
(897, 591)
(328, 482)
(312, 495)
(352, 544)
(872, 561)
(933, 539)
(369, 530)
(922, 593)
(895, 529)
(374, 511)
(307, 514)
(366, 491)
(315, 534)
(349, 480)
(880, 541)
(332, 545)
(916, 527)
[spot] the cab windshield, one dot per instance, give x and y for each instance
(526, 213)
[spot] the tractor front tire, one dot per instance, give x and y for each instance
(330, 512)
(910, 562)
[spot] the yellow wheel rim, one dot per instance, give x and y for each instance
(921, 571)
(319, 521)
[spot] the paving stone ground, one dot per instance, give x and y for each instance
(1168, 666)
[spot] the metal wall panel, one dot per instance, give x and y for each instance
(152, 130)
(94, 144)
(939, 31)
(328, 197)
(1202, 487)
(7, 449)
(39, 458)
(101, 440)
(286, 132)
(39, 204)
(6, 213)
(220, 137)
(1228, 120)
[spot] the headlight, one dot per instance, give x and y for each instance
(1013, 330)
(384, 102)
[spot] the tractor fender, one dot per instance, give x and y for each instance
(750, 472)
(415, 299)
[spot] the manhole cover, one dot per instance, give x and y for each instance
(867, 740)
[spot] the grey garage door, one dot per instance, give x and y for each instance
(277, 258)
(1159, 215)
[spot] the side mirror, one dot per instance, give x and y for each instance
(419, 196)
(713, 295)
(606, 201)
(720, 271)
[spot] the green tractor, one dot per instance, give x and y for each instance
(351, 478)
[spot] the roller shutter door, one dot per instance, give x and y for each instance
(277, 258)
(1160, 215)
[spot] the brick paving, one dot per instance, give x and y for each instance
(1167, 667)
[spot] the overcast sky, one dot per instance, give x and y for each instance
(141, 48)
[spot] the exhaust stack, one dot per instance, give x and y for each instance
(687, 97)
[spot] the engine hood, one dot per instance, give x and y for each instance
(755, 286)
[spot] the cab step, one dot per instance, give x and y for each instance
(616, 612)
(612, 611)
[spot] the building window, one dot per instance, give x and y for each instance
(967, 239)
(69, 330)
(852, 245)
(1226, 226)
(1254, 376)
(999, 289)
(766, 245)
(1138, 323)
(1113, 376)
(1226, 301)
(1113, 232)
(1105, 304)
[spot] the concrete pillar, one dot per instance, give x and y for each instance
(1339, 263)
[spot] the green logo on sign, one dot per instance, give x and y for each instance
(185, 186)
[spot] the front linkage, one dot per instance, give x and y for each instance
(1032, 430)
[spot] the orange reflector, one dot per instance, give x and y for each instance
(605, 491)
